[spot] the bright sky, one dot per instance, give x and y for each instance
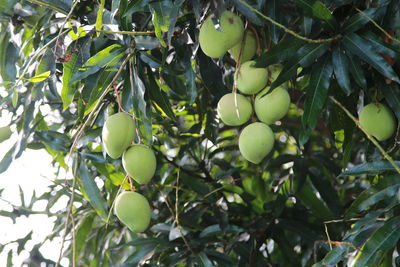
(30, 172)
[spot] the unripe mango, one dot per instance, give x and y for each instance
(256, 141)
(274, 71)
(249, 79)
(140, 163)
(249, 47)
(118, 134)
(378, 120)
(273, 106)
(215, 43)
(133, 210)
(5, 133)
(234, 109)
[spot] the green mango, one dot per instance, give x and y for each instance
(249, 47)
(273, 106)
(133, 210)
(140, 163)
(255, 142)
(5, 133)
(118, 133)
(215, 43)
(378, 120)
(249, 79)
(234, 109)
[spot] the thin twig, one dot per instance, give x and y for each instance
(289, 31)
(372, 139)
(73, 241)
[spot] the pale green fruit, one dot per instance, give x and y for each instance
(118, 134)
(249, 47)
(249, 79)
(5, 133)
(256, 141)
(133, 210)
(378, 120)
(215, 43)
(140, 163)
(234, 109)
(273, 106)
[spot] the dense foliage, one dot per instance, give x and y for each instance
(326, 195)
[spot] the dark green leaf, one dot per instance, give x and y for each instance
(382, 240)
(370, 168)
(281, 52)
(362, 48)
(317, 92)
(341, 69)
(92, 192)
(357, 71)
(392, 96)
(318, 10)
(358, 20)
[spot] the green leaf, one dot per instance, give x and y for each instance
(379, 45)
(317, 92)
(91, 191)
(281, 52)
(392, 96)
(203, 260)
(83, 230)
(40, 77)
(108, 57)
(211, 75)
(7, 159)
(382, 240)
(141, 110)
(8, 58)
(99, 19)
(273, 11)
(161, 12)
(215, 229)
(310, 52)
(68, 89)
(307, 195)
(341, 70)
(318, 10)
(62, 6)
(335, 255)
(103, 81)
(357, 71)
(9, 258)
(358, 20)
(364, 50)
(158, 95)
(370, 168)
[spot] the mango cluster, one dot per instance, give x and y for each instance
(138, 161)
(234, 109)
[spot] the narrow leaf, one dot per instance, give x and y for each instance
(317, 92)
(40, 77)
(362, 48)
(341, 69)
(91, 191)
(370, 168)
(382, 240)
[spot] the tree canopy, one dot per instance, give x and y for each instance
(327, 193)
